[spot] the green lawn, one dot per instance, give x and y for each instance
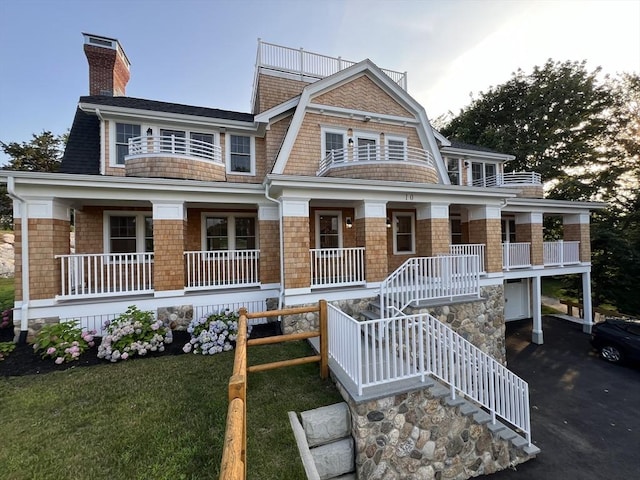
(6, 293)
(160, 418)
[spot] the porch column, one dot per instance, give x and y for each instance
(169, 227)
(586, 303)
(576, 228)
(269, 228)
(48, 236)
(433, 231)
(295, 232)
(529, 230)
(484, 227)
(536, 334)
(371, 233)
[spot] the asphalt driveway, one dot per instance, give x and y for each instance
(585, 414)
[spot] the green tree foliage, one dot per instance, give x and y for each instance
(42, 154)
(581, 132)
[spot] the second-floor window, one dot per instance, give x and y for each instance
(172, 141)
(396, 149)
(453, 169)
(334, 144)
(240, 154)
(124, 131)
(483, 174)
(202, 144)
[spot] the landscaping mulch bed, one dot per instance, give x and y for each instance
(24, 361)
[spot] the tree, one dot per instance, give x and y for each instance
(581, 132)
(42, 154)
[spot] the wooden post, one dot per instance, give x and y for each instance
(242, 339)
(324, 341)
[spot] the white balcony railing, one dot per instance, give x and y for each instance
(419, 345)
(300, 62)
(105, 274)
(509, 179)
(429, 278)
(516, 255)
(207, 270)
(171, 145)
(375, 153)
(476, 249)
(337, 267)
(561, 253)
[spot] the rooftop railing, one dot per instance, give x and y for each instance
(173, 145)
(509, 179)
(375, 153)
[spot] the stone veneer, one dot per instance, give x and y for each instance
(308, 322)
(480, 322)
(416, 435)
(177, 318)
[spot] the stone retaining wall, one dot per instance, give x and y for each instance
(415, 436)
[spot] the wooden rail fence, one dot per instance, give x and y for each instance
(234, 454)
(602, 311)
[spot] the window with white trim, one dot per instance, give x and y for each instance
(126, 233)
(456, 231)
(328, 229)
(173, 141)
(124, 131)
(240, 154)
(334, 144)
(508, 230)
(483, 174)
(367, 148)
(230, 232)
(403, 233)
(396, 149)
(202, 144)
(453, 169)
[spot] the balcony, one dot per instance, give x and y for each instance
(174, 157)
(516, 255)
(511, 179)
(475, 249)
(561, 253)
(380, 162)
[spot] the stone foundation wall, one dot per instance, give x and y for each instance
(480, 322)
(178, 318)
(417, 436)
(308, 322)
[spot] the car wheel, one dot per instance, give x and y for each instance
(611, 353)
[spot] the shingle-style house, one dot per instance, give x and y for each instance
(335, 186)
(329, 188)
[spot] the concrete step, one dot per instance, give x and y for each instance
(326, 424)
(370, 315)
(334, 459)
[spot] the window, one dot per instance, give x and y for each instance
(456, 231)
(477, 174)
(202, 144)
(240, 156)
(396, 149)
(124, 131)
(172, 141)
(328, 230)
(508, 231)
(230, 233)
(490, 174)
(483, 174)
(334, 142)
(453, 169)
(129, 233)
(403, 233)
(367, 148)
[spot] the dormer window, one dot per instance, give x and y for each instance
(124, 131)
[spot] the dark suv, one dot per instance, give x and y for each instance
(617, 339)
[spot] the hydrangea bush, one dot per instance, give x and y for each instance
(213, 333)
(5, 349)
(133, 333)
(6, 319)
(64, 341)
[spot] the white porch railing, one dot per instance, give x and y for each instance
(419, 345)
(516, 255)
(105, 274)
(509, 179)
(337, 267)
(429, 278)
(476, 249)
(222, 269)
(301, 62)
(561, 253)
(172, 145)
(375, 153)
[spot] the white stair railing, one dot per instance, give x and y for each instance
(415, 346)
(470, 249)
(429, 278)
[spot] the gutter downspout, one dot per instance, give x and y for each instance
(268, 197)
(24, 233)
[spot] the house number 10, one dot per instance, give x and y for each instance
(408, 196)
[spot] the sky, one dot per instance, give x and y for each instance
(202, 52)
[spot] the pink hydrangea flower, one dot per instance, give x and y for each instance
(59, 360)
(51, 350)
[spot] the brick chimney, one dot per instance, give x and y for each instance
(108, 65)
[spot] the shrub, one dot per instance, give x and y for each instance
(5, 349)
(133, 333)
(7, 318)
(64, 341)
(212, 334)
